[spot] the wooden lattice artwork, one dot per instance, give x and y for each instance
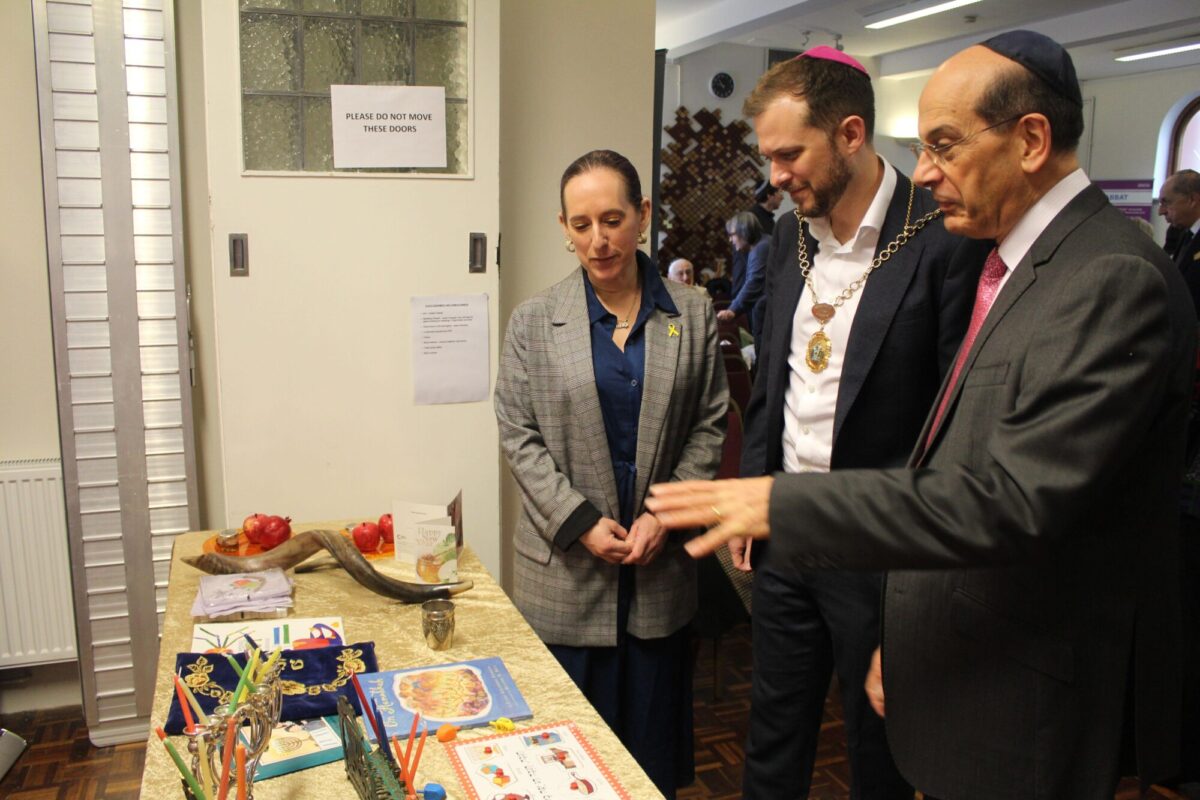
(709, 175)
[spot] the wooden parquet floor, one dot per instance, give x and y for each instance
(61, 763)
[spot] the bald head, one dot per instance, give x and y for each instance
(682, 271)
(1180, 202)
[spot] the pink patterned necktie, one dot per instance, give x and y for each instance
(989, 286)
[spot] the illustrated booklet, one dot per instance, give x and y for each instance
(292, 633)
(299, 745)
(548, 762)
(466, 693)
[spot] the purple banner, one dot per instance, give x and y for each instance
(1135, 198)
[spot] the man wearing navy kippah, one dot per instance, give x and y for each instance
(1031, 608)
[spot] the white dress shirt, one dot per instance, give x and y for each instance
(1037, 219)
(811, 398)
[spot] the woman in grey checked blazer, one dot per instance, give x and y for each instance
(609, 381)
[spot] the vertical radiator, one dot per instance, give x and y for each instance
(37, 619)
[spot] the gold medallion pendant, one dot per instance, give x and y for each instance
(818, 352)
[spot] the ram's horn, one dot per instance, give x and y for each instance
(302, 545)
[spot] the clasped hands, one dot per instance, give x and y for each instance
(608, 540)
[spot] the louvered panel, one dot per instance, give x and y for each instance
(92, 390)
(87, 306)
(147, 109)
(157, 332)
(101, 525)
(95, 445)
(160, 387)
(155, 277)
(77, 164)
(96, 361)
(169, 467)
(143, 24)
(72, 47)
(163, 414)
(144, 53)
(151, 194)
(169, 520)
(75, 106)
(81, 192)
(160, 359)
(164, 440)
(156, 305)
(94, 417)
(83, 250)
(87, 334)
(99, 472)
(151, 222)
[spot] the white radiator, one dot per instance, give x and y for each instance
(37, 620)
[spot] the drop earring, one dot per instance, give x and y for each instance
(569, 245)
(642, 237)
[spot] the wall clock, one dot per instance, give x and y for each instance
(721, 85)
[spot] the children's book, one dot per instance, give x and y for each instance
(467, 694)
(300, 745)
(549, 762)
(292, 633)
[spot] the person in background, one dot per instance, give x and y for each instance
(860, 403)
(767, 199)
(611, 380)
(1180, 205)
(749, 261)
(682, 271)
(1030, 639)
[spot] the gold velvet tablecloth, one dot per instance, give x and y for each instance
(487, 624)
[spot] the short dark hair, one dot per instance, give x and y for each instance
(1016, 91)
(1185, 182)
(832, 90)
(603, 159)
(745, 225)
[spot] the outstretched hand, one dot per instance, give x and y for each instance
(730, 508)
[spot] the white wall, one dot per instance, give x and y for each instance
(28, 404)
(573, 77)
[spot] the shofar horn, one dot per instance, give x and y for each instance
(303, 545)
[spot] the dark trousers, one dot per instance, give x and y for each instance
(1190, 582)
(804, 626)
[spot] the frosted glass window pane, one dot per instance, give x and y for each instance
(144, 53)
(271, 133)
(155, 277)
(164, 440)
(456, 138)
(91, 390)
(75, 106)
(156, 331)
(84, 279)
(318, 135)
(389, 8)
(95, 444)
(75, 221)
(165, 467)
(98, 417)
(156, 304)
(87, 334)
(168, 494)
(441, 55)
(328, 53)
(99, 499)
(162, 413)
(151, 194)
(152, 250)
(76, 164)
(79, 192)
(144, 24)
(168, 520)
(270, 60)
(160, 387)
(442, 9)
(160, 359)
(385, 53)
(148, 109)
(71, 47)
(151, 138)
(334, 6)
(149, 166)
(83, 250)
(86, 305)
(72, 77)
(151, 222)
(100, 470)
(146, 80)
(93, 361)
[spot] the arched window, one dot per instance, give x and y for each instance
(1185, 139)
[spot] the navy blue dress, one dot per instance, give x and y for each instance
(642, 687)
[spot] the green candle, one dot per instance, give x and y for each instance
(192, 783)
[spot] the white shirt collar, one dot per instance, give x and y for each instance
(1039, 216)
(872, 221)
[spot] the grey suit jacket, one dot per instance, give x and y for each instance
(1043, 520)
(552, 434)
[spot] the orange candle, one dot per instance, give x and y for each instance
(412, 768)
(183, 704)
(226, 759)
(412, 734)
(241, 768)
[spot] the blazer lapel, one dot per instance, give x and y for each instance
(881, 297)
(573, 344)
(658, 379)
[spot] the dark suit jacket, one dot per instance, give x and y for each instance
(1047, 501)
(910, 319)
(1187, 258)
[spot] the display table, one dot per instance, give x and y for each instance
(487, 624)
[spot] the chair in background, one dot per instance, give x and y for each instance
(738, 375)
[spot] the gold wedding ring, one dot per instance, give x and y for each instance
(717, 511)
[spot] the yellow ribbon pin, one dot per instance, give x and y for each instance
(672, 330)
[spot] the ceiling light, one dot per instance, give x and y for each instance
(1159, 50)
(898, 14)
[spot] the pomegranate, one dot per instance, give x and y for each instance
(366, 536)
(252, 526)
(386, 529)
(275, 531)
